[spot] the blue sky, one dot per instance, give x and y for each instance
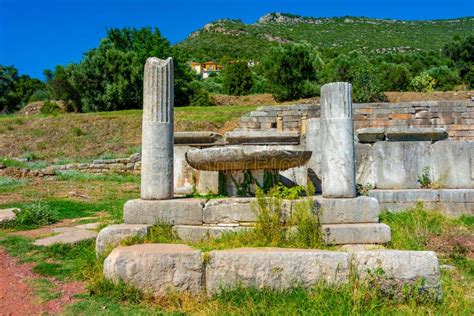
(39, 34)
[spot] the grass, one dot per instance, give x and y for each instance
(44, 289)
(76, 175)
(9, 183)
(83, 137)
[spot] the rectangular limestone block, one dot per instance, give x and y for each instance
(405, 196)
(229, 210)
(373, 233)
(457, 202)
(399, 164)
(362, 209)
(157, 268)
(185, 211)
(200, 233)
(415, 133)
(396, 269)
(364, 160)
(275, 268)
(370, 134)
(452, 164)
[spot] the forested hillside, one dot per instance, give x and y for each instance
(235, 39)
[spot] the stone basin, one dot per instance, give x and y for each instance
(240, 158)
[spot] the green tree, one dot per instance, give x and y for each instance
(237, 78)
(61, 86)
(395, 77)
(461, 52)
(292, 71)
(110, 77)
(15, 90)
(366, 79)
(8, 98)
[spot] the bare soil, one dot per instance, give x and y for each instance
(18, 298)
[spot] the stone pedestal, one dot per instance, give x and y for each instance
(157, 130)
(337, 141)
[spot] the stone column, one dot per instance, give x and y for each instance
(337, 143)
(157, 130)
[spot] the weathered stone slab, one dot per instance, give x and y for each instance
(262, 137)
(246, 158)
(364, 160)
(401, 200)
(415, 133)
(112, 235)
(405, 196)
(195, 138)
(174, 212)
(457, 202)
(69, 236)
(399, 164)
(90, 226)
(185, 177)
(396, 268)
(158, 268)
(313, 140)
(373, 233)
(199, 233)
(229, 210)
(275, 268)
(7, 214)
(370, 134)
(451, 163)
(362, 209)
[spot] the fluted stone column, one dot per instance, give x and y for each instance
(337, 143)
(157, 130)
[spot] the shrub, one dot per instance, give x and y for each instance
(32, 215)
(423, 83)
(268, 209)
(39, 95)
(77, 131)
(445, 77)
(50, 107)
(237, 78)
(424, 179)
(201, 98)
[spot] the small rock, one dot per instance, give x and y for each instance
(7, 214)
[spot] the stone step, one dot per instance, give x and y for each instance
(332, 211)
(199, 233)
(67, 235)
(370, 233)
(160, 268)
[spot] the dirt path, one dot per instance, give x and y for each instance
(17, 297)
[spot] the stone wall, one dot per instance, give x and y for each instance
(457, 117)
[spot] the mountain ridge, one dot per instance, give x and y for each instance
(235, 39)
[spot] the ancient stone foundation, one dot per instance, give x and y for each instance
(164, 268)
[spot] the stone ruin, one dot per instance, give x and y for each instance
(347, 219)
